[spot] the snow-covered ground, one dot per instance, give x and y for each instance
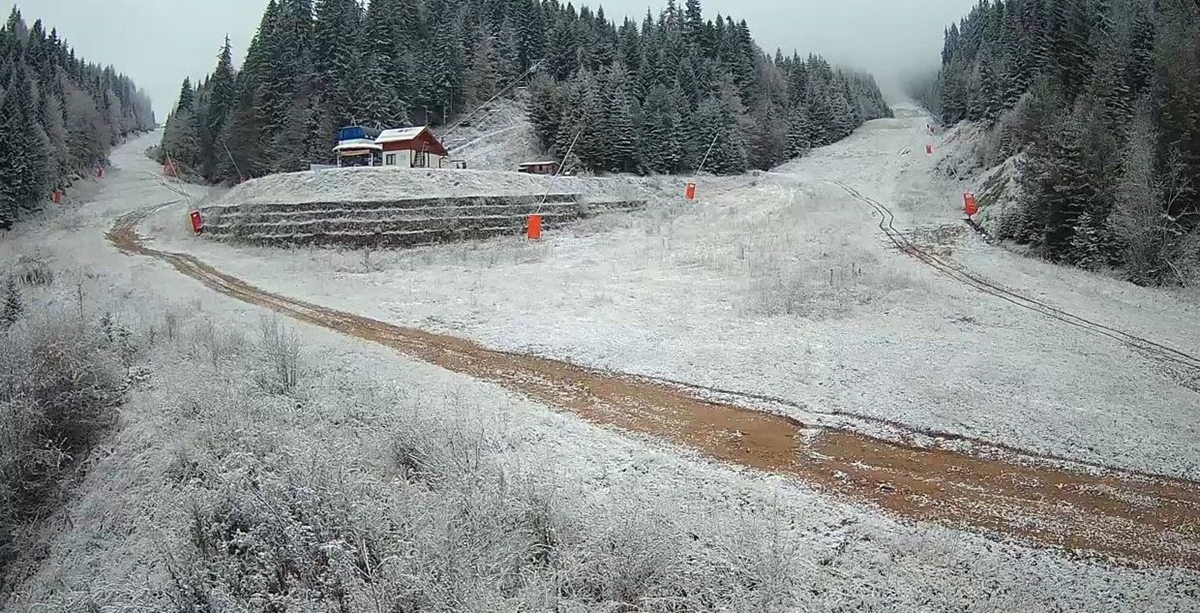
(781, 284)
(393, 183)
(733, 289)
(497, 137)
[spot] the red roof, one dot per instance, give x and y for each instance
(411, 139)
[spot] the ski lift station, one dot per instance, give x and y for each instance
(415, 147)
(357, 147)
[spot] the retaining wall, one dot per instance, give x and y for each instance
(398, 223)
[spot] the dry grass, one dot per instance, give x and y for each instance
(281, 363)
(801, 259)
(387, 488)
(60, 380)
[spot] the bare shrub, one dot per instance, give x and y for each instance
(1157, 248)
(34, 270)
(467, 527)
(170, 323)
(59, 385)
(823, 288)
(369, 265)
(212, 342)
(279, 357)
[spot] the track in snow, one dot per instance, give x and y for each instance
(997, 491)
(958, 272)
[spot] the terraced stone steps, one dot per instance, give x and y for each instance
(398, 223)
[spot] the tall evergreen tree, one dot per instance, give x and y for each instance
(220, 97)
(187, 97)
(23, 154)
(1072, 71)
(619, 122)
(629, 97)
(662, 137)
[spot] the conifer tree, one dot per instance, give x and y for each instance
(187, 97)
(23, 153)
(13, 307)
(548, 106)
(661, 134)
(245, 136)
(628, 96)
(220, 98)
(799, 131)
(621, 141)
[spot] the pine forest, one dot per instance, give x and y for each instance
(1102, 99)
(59, 115)
(656, 97)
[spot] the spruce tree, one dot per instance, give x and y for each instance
(187, 97)
(1059, 186)
(821, 117)
(386, 90)
(221, 93)
(799, 131)
(563, 49)
(23, 154)
(485, 75)
(13, 305)
(245, 136)
(661, 134)
(621, 141)
(336, 59)
(767, 138)
(547, 107)
(530, 20)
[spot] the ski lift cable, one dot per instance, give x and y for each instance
(235, 164)
(557, 171)
(706, 153)
(531, 70)
(174, 188)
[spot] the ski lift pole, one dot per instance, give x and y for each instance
(554, 176)
(235, 164)
(690, 192)
(533, 230)
(706, 153)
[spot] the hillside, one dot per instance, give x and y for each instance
(1100, 100)
(747, 357)
(497, 137)
(669, 95)
(444, 423)
(59, 115)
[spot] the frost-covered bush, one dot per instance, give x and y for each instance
(451, 518)
(60, 381)
(34, 270)
(280, 357)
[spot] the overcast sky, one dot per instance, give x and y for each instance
(158, 42)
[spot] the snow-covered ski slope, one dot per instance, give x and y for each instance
(130, 515)
(498, 136)
(781, 284)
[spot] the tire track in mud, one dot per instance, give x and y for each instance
(1113, 515)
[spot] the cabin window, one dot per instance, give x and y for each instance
(390, 159)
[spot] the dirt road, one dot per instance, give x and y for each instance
(1001, 492)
